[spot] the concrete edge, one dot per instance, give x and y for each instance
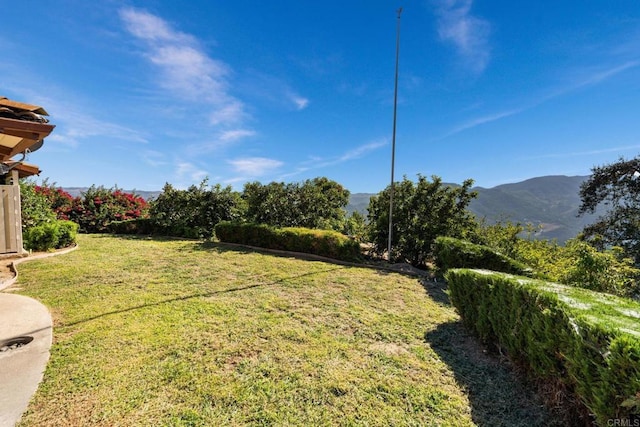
(13, 266)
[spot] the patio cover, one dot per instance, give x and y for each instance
(22, 128)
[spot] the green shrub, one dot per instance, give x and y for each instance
(194, 212)
(314, 203)
(587, 340)
(36, 207)
(318, 242)
(456, 253)
(422, 211)
(578, 263)
(68, 233)
(50, 235)
(133, 226)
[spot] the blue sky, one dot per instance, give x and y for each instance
(148, 92)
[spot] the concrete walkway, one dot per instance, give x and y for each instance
(21, 367)
(26, 334)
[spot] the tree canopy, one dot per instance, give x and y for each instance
(615, 186)
(422, 211)
(314, 203)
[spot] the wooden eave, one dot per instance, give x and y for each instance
(16, 136)
(24, 169)
(21, 106)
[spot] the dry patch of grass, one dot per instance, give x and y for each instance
(169, 332)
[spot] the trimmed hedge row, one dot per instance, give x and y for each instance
(590, 341)
(143, 226)
(326, 243)
(456, 253)
(150, 226)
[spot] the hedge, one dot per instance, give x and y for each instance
(456, 253)
(51, 235)
(325, 243)
(133, 226)
(588, 341)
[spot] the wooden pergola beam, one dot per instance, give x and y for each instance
(25, 134)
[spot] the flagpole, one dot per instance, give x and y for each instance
(393, 142)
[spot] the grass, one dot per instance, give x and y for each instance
(153, 332)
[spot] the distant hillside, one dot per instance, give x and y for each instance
(147, 195)
(549, 201)
(359, 202)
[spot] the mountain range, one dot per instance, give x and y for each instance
(550, 202)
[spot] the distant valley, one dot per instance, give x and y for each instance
(551, 202)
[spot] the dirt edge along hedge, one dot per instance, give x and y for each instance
(325, 243)
(588, 340)
(455, 253)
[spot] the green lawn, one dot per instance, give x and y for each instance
(172, 332)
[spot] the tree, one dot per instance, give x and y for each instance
(422, 212)
(194, 212)
(615, 186)
(269, 204)
(314, 203)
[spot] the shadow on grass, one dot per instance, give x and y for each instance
(497, 396)
(200, 295)
(436, 289)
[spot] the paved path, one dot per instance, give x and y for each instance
(22, 319)
(21, 368)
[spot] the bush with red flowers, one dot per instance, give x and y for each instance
(98, 207)
(61, 201)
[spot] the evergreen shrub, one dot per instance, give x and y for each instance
(51, 235)
(587, 340)
(455, 253)
(139, 226)
(326, 243)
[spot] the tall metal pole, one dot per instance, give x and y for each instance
(393, 142)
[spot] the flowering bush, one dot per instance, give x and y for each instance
(36, 207)
(61, 202)
(98, 207)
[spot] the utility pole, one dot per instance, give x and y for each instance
(393, 142)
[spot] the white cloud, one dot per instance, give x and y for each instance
(220, 141)
(186, 70)
(481, 121)
(190, 172)
(254, 166)
(154, 158)
(579, 80)
(231, 112)
(236, 134)
(318, 162)
(149, 27)
(299, 102)
(75, 124)
(594, 77)
(469, 34)
(361, 151)
(275, 91)
(189, 72)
